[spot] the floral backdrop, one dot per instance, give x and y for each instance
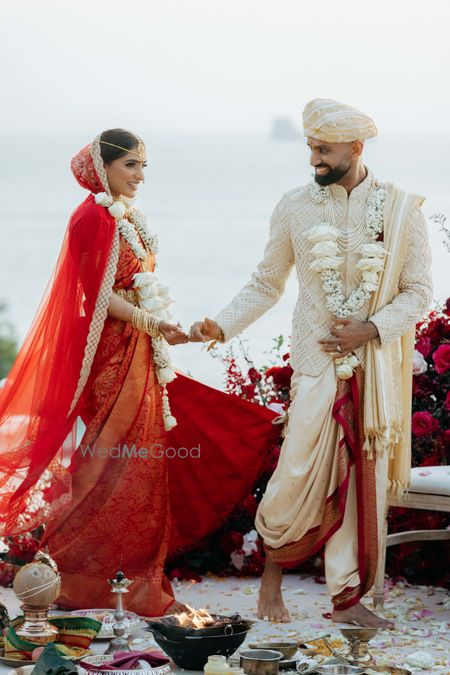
(236, 549)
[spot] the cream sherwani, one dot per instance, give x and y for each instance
(309, 456)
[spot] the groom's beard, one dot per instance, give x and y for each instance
(333, 175)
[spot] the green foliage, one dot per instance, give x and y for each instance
(8, 344)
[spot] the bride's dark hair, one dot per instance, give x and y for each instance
(120, 137)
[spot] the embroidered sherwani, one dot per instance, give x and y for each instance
(314, 496)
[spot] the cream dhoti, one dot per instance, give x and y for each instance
(324, 490)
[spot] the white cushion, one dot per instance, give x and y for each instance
(431, 480)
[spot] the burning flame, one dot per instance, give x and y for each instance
(195, 618)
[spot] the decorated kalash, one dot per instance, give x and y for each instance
(38, 643)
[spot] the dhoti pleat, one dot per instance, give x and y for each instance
(323, 491)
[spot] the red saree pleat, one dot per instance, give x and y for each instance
(234, 438)
(119, 514)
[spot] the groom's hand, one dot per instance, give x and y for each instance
(204, 331)
(349, 334)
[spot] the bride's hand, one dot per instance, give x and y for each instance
(204, 331)
(173, 334)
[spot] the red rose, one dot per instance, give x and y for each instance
(447, 307)
(231, 541)
(441, 358)
(286, 356)
(254, 375)
(282, 376)
(424, 346)
(423, 423)
(270, 372)
(248, 390)
(439, 329)
(447, 401)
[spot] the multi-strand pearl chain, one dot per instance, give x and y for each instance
(328, 243)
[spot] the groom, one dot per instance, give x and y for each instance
(362, 258)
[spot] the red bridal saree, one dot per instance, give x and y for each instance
(125, 495)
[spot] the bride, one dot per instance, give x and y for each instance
(97, 351)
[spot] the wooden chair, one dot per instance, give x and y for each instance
(429, 490)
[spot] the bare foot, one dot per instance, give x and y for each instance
(176, 608)
(360, 616)
(270, 601)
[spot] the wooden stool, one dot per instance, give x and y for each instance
(429, 490)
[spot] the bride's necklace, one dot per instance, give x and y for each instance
(130, 223)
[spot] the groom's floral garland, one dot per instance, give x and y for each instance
(152, 295)
(327, 263)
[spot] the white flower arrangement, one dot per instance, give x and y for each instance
(375, 210)
(155, 298)
(131, 223)
(345, 366)
(323, 232)
(129, 233)
(327, 263)
(103, 199)
(117, 209)
(152, 295)
(318, 194)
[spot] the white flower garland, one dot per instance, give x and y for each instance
(153, 297)
(327, 263)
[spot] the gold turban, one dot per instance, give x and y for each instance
(335, 122)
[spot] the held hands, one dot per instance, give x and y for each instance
(204, 331)
(348, 335)
(174, 335)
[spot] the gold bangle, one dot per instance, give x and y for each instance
(146, 322)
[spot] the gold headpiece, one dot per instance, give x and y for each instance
(139, 151)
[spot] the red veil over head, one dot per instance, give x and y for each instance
(38, 403)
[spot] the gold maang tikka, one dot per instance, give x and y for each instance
(139, 151)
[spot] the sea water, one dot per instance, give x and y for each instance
(209, 199)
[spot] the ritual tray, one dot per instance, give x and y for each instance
(104, 658)
(131, 622)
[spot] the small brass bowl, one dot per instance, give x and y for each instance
(288, 649)
(359, 632)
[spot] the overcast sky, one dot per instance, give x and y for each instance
(210, 66)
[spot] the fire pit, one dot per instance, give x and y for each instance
(190, 637)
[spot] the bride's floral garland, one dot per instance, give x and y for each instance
(327, 262)
(152, 295)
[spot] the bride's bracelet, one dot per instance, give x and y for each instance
(146, 322)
